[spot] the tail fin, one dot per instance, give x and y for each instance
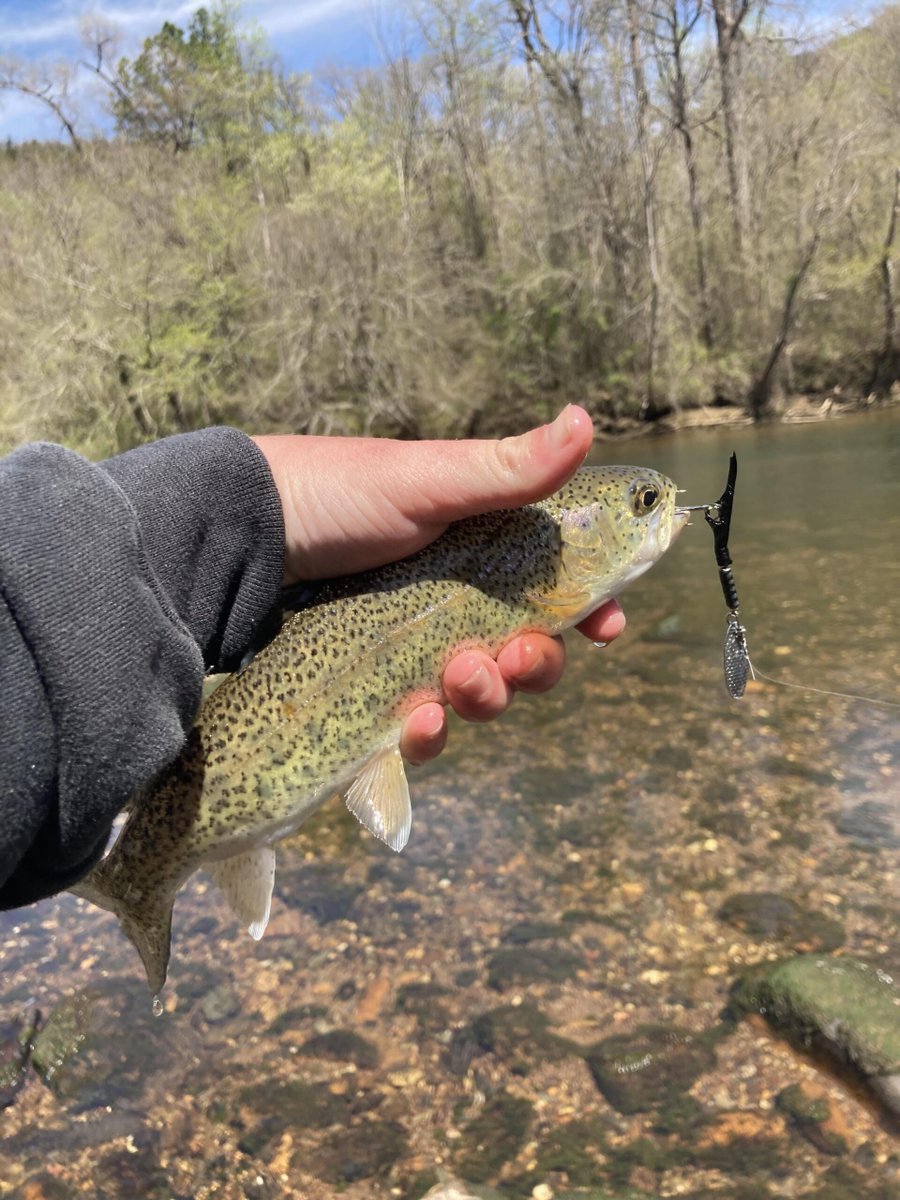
(145, 920)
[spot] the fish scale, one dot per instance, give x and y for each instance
(320, 709)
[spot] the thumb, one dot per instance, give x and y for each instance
(478, 476)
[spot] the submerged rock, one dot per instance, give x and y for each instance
(102, 1044)
(366, 1151)
(517, 966)
(454, 1189)
(321, 891)
(848, 1008)
(43, 1186)
(423, 1001)
(573, 1152)
(343, 1045)
(266, 1110)
(520, 1035)
(16, 1038)
(778, 918)
(810, 1113)
(647, 1069)
(494, 1136)
(220, 1004)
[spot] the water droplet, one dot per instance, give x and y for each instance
(601, 645)
(157, 1007)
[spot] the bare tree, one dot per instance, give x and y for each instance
(649, 403)
(729, 17)
(886, 365)
(566, 69)
(48, 87)
(675, 21)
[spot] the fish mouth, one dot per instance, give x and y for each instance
(683, 511)
(665, 532)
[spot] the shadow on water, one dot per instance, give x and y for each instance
(532, 995)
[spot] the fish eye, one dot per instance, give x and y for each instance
(645, 500)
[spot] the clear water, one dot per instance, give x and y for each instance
(618, 814)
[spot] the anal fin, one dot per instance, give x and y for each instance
(246, 881)
(379, 798)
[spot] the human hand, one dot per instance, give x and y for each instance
(354, 503)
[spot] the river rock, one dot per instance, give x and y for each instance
(220, 1004)
(43, 1186)
(811, 1113)
(16, 1037)
(778, 918)
(520, 1035)
(266, 1110)
(454, 1189)
(365, 1151)
(343, 1045)
(494, 1136)
(647, 1069)
(849, 1008)
(521, 966)
(101, 1044)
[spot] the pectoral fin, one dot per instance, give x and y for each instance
(246, 882)
(379, 798)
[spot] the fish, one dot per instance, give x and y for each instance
(318, 712)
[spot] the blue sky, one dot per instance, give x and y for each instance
(308, 35)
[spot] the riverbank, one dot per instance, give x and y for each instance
(795, 410)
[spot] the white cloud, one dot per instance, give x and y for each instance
(44, 25)
(295, 16)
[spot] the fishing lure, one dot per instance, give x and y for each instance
(735, 654)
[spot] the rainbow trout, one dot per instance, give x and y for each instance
(318, 712)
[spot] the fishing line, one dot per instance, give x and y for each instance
(755, 673)
(735, 653)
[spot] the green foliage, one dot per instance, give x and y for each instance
(169, 92)
(445, 249)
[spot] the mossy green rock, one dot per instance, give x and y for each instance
(101, 1045)
(850, 1009)
(493, 1137)
(574, 1151)
(809, 1115)
(16, 1038)
(644, 1070)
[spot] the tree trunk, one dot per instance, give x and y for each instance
(729, 14)
(678, 98)
(760, 396)
(565, 81)
(650, 408)
(887, 365)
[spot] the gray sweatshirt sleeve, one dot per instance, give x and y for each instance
(120, 582)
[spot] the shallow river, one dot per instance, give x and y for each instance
(535, 996)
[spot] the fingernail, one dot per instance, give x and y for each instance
(435, 726)
(560, 433)
(535, 666)
(478, 684)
